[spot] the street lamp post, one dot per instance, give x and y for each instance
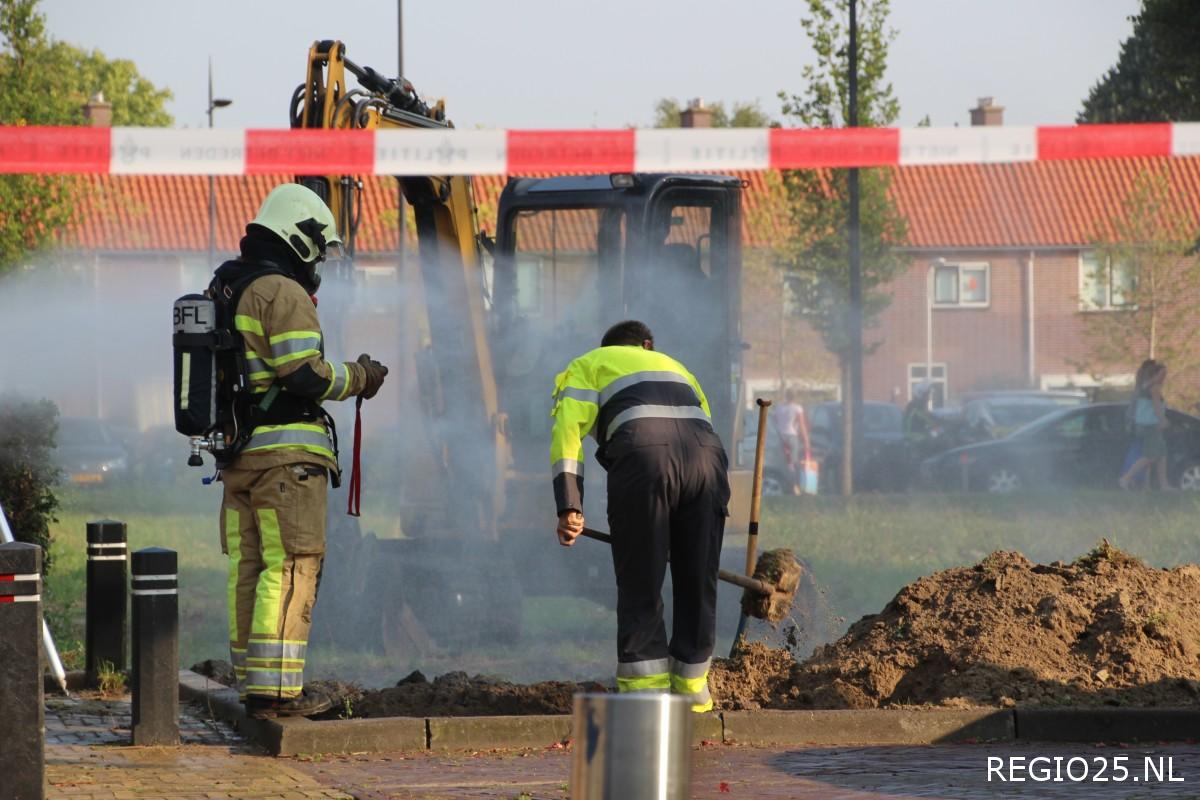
(213, 103)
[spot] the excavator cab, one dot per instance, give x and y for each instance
(576, 254)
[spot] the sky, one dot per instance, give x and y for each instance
(584, 64)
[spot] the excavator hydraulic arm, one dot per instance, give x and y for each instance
(449, 252)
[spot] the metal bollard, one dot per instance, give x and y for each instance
(155, 647)
(107, 601)
(631, 747)
(22, 747)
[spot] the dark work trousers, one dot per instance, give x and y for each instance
(668, 495)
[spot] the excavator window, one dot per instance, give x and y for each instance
(554, 296)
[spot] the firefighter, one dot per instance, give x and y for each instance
(273, 511)
(668, 492)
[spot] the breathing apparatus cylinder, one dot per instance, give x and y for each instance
(195, 355)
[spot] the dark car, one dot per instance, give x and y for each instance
(883, 459)
(89, 452)
(994, 415)
(1077, 447)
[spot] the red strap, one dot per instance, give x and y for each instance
(354, 490)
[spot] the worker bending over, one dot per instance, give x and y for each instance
(273, 515)
(668, 492)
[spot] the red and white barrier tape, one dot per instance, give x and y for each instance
(163, 151)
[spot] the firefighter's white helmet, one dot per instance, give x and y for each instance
(298, 216)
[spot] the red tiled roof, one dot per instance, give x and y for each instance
(1054, 203)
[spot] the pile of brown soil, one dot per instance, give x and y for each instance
(1105, 630)
(453, 695)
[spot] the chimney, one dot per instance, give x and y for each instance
(696, 115)
(987, 113)
(97, 112)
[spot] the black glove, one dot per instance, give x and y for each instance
(375, 375)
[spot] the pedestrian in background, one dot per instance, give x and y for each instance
(1134, 453)
(792, 428)
(1150, 422)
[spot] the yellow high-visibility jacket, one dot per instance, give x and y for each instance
(612, 389)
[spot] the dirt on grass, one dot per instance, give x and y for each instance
(1104, 630)
(454, 694)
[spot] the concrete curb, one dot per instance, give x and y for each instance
(869, 726)
(297, 736)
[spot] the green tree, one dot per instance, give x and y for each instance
(47, 82)
(816, 254)
(1157, 75)
(743, 115)
(27, 429)
(1141, 288)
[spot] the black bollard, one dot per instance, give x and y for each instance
(155, 647)
(107, 601)
(22, 746)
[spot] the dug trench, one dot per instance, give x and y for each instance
(1104, 630)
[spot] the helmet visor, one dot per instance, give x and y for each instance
(333, 251)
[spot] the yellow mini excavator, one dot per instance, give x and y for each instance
(571, 256)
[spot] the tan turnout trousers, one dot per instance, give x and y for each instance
(273, 530)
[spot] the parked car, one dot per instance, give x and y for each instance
(884, 458)
(1075, 447)
(89, 452)
(993, 415)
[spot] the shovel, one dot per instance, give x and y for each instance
(769, 600)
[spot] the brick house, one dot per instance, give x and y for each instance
(1002, 264)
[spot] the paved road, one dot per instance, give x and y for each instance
(87, 759)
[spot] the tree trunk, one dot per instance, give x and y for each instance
(848, 423)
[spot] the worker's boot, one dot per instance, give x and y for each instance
(308, 703)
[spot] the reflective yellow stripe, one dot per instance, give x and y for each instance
(290, 357)
(233, 542)
(660, 682)
(283, 337)
(346, 378)
(296, 436)
(695, 689)
(250, 324)
(268, 596)
(689, 685)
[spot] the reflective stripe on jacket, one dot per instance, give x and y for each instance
(283, 341)
(602, 391)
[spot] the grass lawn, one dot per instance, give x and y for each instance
(862, 551)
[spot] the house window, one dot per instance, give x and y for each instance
(961, 285)
(937, 371)
(1105, 283)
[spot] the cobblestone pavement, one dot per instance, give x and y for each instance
(720, 772)
(87, 759)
